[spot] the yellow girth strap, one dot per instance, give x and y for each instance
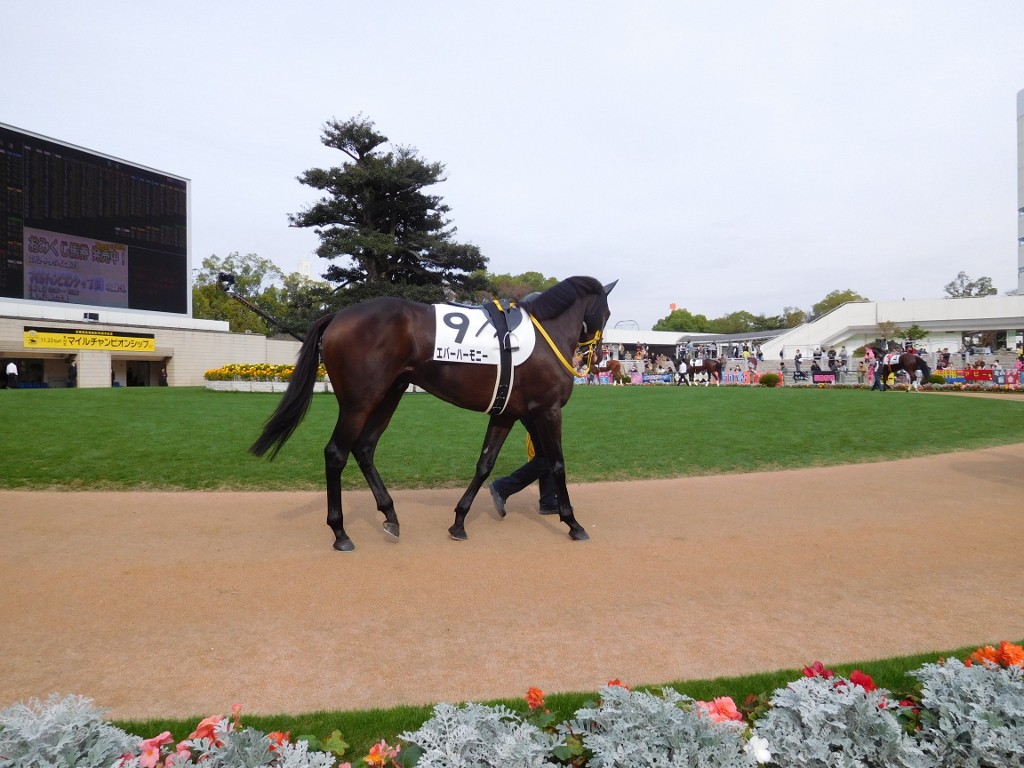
(590, 354)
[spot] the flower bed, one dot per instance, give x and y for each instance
(259, 377)
(257, 372)
(968, 713)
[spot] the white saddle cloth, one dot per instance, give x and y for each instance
(466, 335)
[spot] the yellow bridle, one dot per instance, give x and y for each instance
(590, 353)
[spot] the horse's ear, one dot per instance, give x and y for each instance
(608, 288)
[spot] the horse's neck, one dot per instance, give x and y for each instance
(565, 329)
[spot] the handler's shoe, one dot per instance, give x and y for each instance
(498, 499)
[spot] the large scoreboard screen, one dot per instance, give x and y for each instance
(82, 228)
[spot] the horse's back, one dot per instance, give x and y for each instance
(384, 332)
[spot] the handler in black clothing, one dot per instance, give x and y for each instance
(534, 469)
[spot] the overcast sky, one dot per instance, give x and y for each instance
(718, 155)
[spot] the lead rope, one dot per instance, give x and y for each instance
(590, 353)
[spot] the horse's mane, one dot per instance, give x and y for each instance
(558, 298)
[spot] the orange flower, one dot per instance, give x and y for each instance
(1008, 655)
(535, 698)
(619, 683)
(277, 738)
(1011, 655)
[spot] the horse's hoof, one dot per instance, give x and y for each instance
(391, 528)
(459, 534)
(344, 545)
(579, 535)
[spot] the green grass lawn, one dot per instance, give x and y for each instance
(190, 438)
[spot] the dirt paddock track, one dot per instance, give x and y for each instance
(182, 604)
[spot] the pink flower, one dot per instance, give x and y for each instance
(207, 729)
(149, 749)
(380, 754)
(720, 710)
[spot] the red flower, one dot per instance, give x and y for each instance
(535, 698)
(618, 683)
(863, 680)
(817, 669)
(911, 705)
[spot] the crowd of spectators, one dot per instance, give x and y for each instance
(839, 363)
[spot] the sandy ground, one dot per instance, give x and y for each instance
(182, 604)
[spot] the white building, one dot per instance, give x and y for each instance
(120, 347)
(989, 320)
(1020, 192)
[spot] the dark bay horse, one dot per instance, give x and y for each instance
(374, 350)
(707, 368)
(902, 361)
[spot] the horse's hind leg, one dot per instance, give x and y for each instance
(335, 458)
(497, 430)
(365, 448)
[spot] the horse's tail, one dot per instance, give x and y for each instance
(293, 406)
(924, 367)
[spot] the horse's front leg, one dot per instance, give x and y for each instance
(548, 434)
(497, 430)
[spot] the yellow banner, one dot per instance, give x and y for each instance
(83, 339)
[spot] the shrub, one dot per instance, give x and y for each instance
(972, 715)
(475, 736)
(769, 380)
(936, 378)
(635, 728)
(66, 732)
(819, 722)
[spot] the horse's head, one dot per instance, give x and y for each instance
(596, 316)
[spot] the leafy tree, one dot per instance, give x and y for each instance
(833, 300)
(889, 330)
(253, 274)
(293, 300)
(915, 332)
(388, 235)
(518, 286)
(735, 322)
(965, 288)
(298, 301)
(682, 320)
(791, 317)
